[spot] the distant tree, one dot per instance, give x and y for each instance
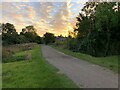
(29, 29)
(9, 34)
(23, 39)
(8, 28)
(38, 40)
(49, 38)
(30, 33)
(0, 28)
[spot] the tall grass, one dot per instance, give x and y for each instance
(8, 51)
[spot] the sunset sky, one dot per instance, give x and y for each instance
(55, 17)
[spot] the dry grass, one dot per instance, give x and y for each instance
(9, 51)
(28, 56)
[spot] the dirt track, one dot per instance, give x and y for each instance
(83, 73)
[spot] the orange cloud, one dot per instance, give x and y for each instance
(45, 16)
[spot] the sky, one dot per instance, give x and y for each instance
(57, 17)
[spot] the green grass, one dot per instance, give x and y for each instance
(33, 73)
(110, 62)
(9, 51)
(0, 75)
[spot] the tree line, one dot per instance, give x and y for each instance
(27, 35)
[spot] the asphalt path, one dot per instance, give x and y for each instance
(83, 73)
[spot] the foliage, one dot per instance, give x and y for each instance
(10, 36)
(97, 28)
(72, 44)
(9, 51)
(49, 38)
(30, 34)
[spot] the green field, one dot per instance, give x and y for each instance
(33, 73)
(110, 62)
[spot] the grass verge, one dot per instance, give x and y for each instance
(33, 73)
(110, 62)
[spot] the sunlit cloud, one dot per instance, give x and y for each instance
(78, 1)
(54, 17)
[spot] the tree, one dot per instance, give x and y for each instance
(83, 26)
(49, 38)
(38, 40)
(8, 28)
(30, 33)
(23, 39)
(9, 34)
(97, 27)
(106, 24)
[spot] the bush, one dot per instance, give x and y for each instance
(49, 38)
(73, 45)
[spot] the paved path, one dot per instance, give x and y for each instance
(84, 74)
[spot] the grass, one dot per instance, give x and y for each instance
(33, 73)
(9, 51)
(110, 62)
(0, 75)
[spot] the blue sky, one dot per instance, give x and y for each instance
(56, 17)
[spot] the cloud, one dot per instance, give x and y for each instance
(16, 1)
(61, 20)
(55, 17)
(17, 13)
(31, 12)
